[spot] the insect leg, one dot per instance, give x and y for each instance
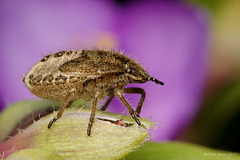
(66, 103)
(111, 96)
(138, 91)
(94, 107)
(118, 92)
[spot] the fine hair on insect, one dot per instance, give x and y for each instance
(91, 74)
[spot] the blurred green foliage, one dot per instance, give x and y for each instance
(179, 151)
(217, 124)
(210, 4)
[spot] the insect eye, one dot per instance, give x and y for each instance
(129, 70)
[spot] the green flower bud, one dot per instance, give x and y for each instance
(113, 136)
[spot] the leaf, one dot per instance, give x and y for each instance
(179, 151)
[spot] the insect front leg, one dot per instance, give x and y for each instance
(94, 107)
(137, 91)
(118, 92)
(66, 103)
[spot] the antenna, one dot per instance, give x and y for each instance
(155, 80)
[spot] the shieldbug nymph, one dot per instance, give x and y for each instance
(87, 74)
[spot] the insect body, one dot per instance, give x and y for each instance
(87, 74)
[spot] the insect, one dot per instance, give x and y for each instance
(87, 74)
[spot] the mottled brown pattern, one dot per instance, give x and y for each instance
(31, 76)
(47, 80)
(69, 53)
(60, 80)
(95, 61)
(59, 54)
(36, 80)
(45, 58)
(73, 79)
(87, 74)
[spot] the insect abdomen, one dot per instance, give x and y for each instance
(84, 72)
(46, 81)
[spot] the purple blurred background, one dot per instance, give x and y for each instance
(170, 39)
